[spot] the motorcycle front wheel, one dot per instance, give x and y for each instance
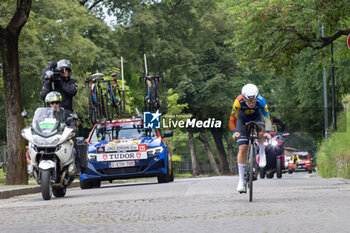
(46, 184)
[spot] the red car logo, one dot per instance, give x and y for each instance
(142, 147)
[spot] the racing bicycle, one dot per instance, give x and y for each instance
(251, 129)
(97, 110)
(151, 100)
(113, 98)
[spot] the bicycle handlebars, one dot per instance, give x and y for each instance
(156, 76)
(99, 78)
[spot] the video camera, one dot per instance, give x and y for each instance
(53, 74)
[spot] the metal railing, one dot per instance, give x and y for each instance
(182, 167)
(3, 154)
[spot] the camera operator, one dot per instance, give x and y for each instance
(56, 77)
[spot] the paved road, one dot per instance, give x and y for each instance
(296, 203)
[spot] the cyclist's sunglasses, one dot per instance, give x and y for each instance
(55, 102)
(250, 101)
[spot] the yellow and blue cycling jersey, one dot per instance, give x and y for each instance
(241, 110)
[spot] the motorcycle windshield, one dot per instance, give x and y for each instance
(47, 120)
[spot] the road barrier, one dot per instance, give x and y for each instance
(182, 167)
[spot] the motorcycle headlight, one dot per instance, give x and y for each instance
(156, 150)
(46, 141)
(274, 143)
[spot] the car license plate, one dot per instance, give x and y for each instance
(122, 164)
(300, 166)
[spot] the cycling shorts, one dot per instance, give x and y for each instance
(241, 120)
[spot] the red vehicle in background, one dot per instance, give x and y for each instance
(300, 161)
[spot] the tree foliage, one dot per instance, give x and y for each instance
(272, 32)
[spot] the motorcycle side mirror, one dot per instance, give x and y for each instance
(24, 114)
(75, 116)
(286, 134)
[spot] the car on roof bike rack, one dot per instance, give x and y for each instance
(123, 149)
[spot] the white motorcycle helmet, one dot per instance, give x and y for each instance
(250, 91)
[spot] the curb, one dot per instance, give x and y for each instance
(4, 194)
(18, 191)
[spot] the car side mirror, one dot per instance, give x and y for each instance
(168, 133)
(24, 114)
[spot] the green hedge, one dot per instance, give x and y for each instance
(333, 155)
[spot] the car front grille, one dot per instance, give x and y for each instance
(116, 171)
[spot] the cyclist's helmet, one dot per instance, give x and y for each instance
(250, 91)
(53, 96)
(63, 65)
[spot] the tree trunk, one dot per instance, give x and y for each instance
(16, 162)
(217, 135)
(203, 138)
(195, 168)
(232, 157)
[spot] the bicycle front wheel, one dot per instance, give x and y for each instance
(251, 170)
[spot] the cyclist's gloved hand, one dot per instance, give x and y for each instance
(236, 135)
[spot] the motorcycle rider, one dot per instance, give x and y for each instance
(57, 77)
(54, 100)
(249, 106)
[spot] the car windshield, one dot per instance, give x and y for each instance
(109, 133)
(303, 157)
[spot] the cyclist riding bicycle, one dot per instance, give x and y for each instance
(249, 106)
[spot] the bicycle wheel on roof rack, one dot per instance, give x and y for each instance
(108, 106)
(118, 104)
(103, 115)
(153, 95)
(92, 111)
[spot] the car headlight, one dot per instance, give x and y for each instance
(156, 150)
(91, 156)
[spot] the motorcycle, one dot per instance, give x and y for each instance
(51, 150)
(274, 149)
